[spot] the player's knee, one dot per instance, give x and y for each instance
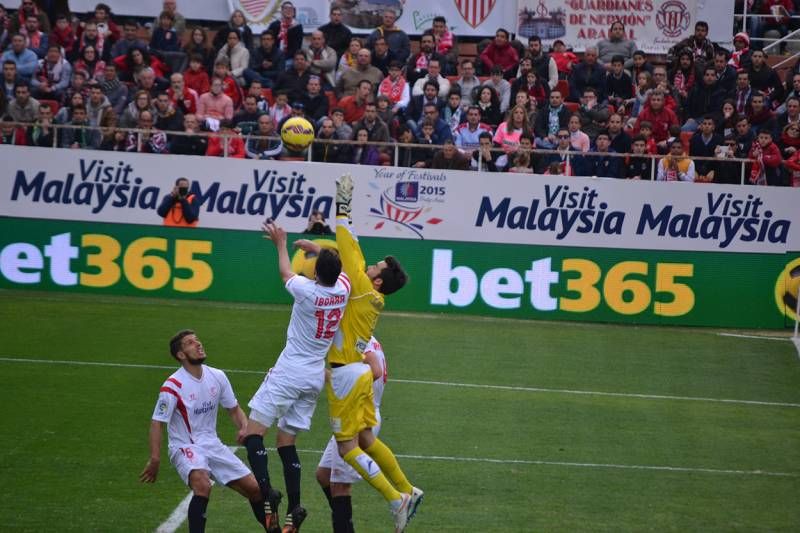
(341, 489)
(200, 483)
(323, 476)
(366, 438)
(284, 439)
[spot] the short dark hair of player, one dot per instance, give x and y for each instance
(176, 342)
(328, 268)
(440, 19)
(618, 59)
(393, 277)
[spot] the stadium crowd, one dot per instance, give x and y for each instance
(513, 108)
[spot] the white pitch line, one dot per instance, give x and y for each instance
(437, 383)
(761, 337)
(177, 517)
(541, 462)
(597, 393)
(600, 465)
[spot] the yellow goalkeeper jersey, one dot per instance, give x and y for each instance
(364, 306)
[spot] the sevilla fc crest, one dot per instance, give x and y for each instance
(254, 10)
(474, 11)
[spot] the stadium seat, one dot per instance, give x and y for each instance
(572, 106)
(176, 61)
(563, 87)
(686, 137)
(611, 109)
(332, 101)
(267, 94)
(54, 106)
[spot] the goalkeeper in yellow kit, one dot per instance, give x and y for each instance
(350, 400)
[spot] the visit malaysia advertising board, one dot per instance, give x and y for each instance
(499, 244)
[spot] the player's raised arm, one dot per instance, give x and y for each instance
(150, 472)
(353, 263)
(277, 235)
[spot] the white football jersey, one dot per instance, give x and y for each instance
(379, 384)
(189, 405)
(316, 315)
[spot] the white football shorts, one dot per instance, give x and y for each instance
(283, 400)
(216, 458)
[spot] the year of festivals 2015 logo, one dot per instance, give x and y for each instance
(406, 205)
(673, 18)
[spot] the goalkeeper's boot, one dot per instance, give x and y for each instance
(416, 500)
(401, 510)
(271, 503)
(294, 519)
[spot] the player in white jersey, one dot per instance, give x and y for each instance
(291, 388)
(187, 404)
(334, 475)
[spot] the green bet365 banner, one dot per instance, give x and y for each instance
(547, 282)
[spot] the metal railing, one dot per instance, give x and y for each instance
(384, 147)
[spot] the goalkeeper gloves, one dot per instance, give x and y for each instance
(344, 194)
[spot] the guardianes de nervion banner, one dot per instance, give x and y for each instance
(406, 203)
(655, 25)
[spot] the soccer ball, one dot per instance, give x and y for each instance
(305, 263)
(297, 133)
(786, 289)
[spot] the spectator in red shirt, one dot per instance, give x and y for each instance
(195, 76)
(227, 135)
(500, 52)
(182, 97)
(355, 104)
(767, 160)
(659, 116)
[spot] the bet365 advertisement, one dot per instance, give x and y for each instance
(546, 282)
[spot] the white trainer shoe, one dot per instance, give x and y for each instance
(401, 511)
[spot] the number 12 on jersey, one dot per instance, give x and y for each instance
(326, 323)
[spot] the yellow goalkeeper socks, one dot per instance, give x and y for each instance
(371, 472)
(389, 465)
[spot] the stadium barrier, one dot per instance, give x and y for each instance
(509, 245)
(392, 148)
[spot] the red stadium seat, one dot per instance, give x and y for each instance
(563, 87)
(267, 94)
(572, 106)
(611, 109)
(686, 137)
(332, 101)
(54, 106)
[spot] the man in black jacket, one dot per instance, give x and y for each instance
(337, 35)
(704, 143)
(266, 62)
(704, 97)
(190, 143)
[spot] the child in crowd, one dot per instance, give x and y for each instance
(196, 76)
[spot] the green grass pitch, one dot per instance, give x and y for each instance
(568, 427)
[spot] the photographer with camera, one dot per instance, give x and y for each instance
(317, 224)
(179, 207)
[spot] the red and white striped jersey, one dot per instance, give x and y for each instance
(189, 405)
